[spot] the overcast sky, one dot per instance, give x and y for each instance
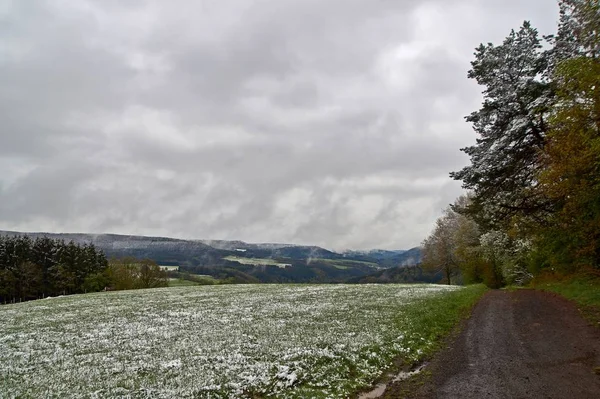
(327, 122)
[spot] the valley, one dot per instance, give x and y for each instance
(240, 262)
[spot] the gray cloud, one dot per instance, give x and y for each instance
(332, 123)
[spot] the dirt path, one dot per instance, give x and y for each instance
(522, 344)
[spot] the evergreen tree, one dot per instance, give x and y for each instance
(512, 128)
(535, 167)
(34, 269)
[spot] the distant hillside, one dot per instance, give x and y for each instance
(238, 261)
(400, 274)
(388, 258)
(160, 249)
(375, 253)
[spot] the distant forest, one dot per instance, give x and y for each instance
(43, 267)
(32, 269)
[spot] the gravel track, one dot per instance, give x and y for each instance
(521, 344)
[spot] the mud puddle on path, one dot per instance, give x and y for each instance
(379, 390)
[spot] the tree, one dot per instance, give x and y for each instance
(32, 269)
(578, 31)
(570, 177)
(151, 276)
(32, 277)
(458, 247)
(535, 167)
(438, 250)
(467, 240)
(130, 273)
(121, 273)
(572, 174)
(449, 247)
(512, 128)
(44, 254)
(8, 283)
(95, 282)
(506, 259)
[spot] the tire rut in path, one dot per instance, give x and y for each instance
(521, 344)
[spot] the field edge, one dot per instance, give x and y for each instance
(445, 319)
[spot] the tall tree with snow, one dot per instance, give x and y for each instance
(512, 128)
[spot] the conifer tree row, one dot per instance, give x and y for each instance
(31, 269)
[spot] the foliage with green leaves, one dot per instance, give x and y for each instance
(460, 249)
(572, 166)
(131, 273)
(535, 168)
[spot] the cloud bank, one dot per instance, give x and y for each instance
(332, 123)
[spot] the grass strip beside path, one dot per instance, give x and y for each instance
(582, 288)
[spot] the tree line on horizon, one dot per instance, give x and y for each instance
(44, 267)
(533, 183)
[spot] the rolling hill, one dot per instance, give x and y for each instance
(242, 262)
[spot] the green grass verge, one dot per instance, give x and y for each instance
(583, 289)
(436, 318)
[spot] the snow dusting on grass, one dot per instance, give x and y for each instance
(287, 341)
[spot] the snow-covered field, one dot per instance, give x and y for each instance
(288, 341)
